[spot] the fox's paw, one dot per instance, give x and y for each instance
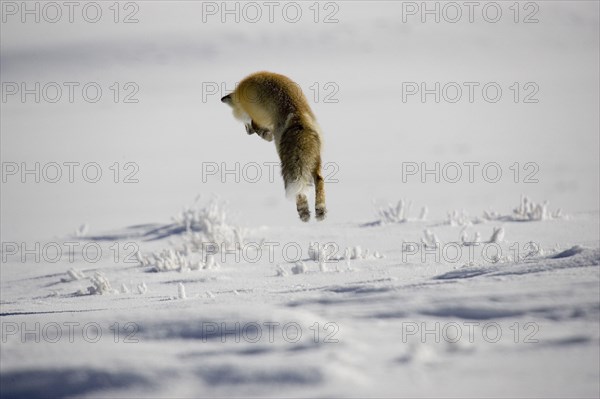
(304, 214)
(249, 128)
(266, 135)
(320, 212)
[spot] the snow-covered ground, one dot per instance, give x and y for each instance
(437, 285)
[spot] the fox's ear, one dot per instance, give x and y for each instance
(226, 99)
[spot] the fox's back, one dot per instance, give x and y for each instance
(270, 98)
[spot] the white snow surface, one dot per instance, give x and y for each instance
(408, 289)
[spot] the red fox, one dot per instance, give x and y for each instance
(273, 107)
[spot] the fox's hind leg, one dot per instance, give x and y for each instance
(302, 207)
(320, 209)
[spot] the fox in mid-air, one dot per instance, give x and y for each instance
(273, 107)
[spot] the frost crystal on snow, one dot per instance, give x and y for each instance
(356, 252)
(82, 230)
(318, 252)
(394, 214)
(72, 275)
(322, 266)
(100, 285)
(181, 291)
(527, 210)
(462, 238)
(205, 231)
(299, 268)
(456, 218)
(208, 225)
(143, 261)
(424, 212)
(398, 213)
(142, 288)
(430, 240)
(167, 260)
(173, 260)
(497, 235)
(211, 263)
(500, 259)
